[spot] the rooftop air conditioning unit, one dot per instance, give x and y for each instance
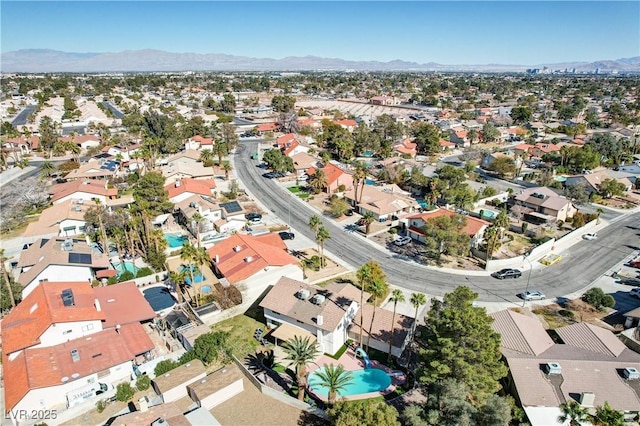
(248, 259)
(237, 248)
(553, 368)
(318, 299)
(75, 355)
(303, 294)
(631, 373)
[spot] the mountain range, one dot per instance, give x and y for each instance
(148, 60)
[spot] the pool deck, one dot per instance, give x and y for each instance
(351, 363)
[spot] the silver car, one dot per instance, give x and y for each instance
(533, 295)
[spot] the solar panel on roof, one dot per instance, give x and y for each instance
(81, 258)
(231, 207)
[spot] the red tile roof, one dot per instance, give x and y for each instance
(254, 254)
(267, 127)
(472, 227)
(446, 143)
(193, 186)
(523, 147)
(94, 186)
(283, 140)
(347, 123)
(24, 325)
(202, 140)
(123, 304)
(331, 172)
(293, 145)
(45, 367)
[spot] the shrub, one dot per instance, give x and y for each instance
(101, 405)
(144, 272)
(165, 366)
(566, 313)
(124, 392)
(126, 276)
(112, 280)
(598, 298)
(143, 382)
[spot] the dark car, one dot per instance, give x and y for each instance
(349, 212)
(287, 235)
(253, 216)
(507, 273)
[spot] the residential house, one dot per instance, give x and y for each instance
(123, 152)
(186, 169)
(387, 202)
(58, 259)
(198, 142)
(592, 181)
(302, 162)
(446, 145)
(285, 140)
(83, 189)
(309, 122)
(64, 219)
(541, 148)
(586, 364)
(460, 137)
(383, 100)
(473, 227)
(522, 149)
(487, 160)
(350, 125)
(189, 156)
(83, 141)
(406, 147)
(267, 128)
(335, 177)
(207, 208)
(66, 340)
(255, 260)
(543, 204)
(172, 385)
(103, 170)
(184, 188)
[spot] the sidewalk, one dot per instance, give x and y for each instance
(13, 173)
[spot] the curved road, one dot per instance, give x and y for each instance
(581, 264)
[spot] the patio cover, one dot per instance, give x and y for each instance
(542, 216)
(159, 220)
(287, 331)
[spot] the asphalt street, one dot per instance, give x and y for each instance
(582, 264)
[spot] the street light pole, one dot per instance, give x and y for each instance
(524, 300)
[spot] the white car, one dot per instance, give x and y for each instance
(590, 236)
(402, 241)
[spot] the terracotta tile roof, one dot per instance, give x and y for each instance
(241, 256)
(446, 143)
(33, 142)
(523, 147)
(201, 140)
(347, 123)
(285, 139)
(290, 147)
(24, 325)
(50, 218)
(123, 304)
(45, 252)
(44, 367)
(381, 329)
(194, 186)
(407, 147)
(267, 127)
(282, 299)
(96, 187)
(547, 147)
(473, 226)
(332, 172)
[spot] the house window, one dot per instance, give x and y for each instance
(66, 332)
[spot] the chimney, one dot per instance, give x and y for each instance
(319, 320)
(144, 404)
(118, 329)
(217, 258)
(96, 302)
(587, 399)
(178, 183)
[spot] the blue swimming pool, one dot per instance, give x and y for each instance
(362, 381)
(206, 288)
(126, 266)
(197, 275)
(175, 240)
(159, 298)
(369, 182)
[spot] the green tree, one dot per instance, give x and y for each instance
(143, 382)
(189, 254)
(598, 298)
(459, 343)
(521, 114)
(396, 296)
(228, 103)
(490, 133)
(503, 166)
(46, 169)
(8, 285)
(378, 290)
(363, 413)
(338, 207)
(573, 413)
(607, 416)
(446, 235)
(210, 346)
(318, 181)
(370, 274)
(300, 353)
(577, 193)
(321, 236)
(283, 103)
(335, 378)
(165, 366)
(124, 392)
(427, 137)
(610, 188)
(417, 300)
(367, 220)
(206, 157)
(150, 195)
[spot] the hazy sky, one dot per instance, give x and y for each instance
(456, 32)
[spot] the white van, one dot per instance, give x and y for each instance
(87, 392)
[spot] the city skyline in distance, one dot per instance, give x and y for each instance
(452, 33)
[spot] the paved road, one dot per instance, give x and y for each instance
(21, 119)
(581, 264)
(116, 112)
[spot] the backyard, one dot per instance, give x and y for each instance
(241, 329)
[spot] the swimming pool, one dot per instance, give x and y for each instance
(159, 298)
(175, 240)
(128, 266)
(487, 214)
(362, 381)
(197, 275)
(206, 288)
(369, 182)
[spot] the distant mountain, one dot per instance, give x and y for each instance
(44, 60)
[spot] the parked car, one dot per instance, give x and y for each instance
(590, 236)
(507, 273)
(629, 281)
(254, 217)
(635, 292)
(287, 235)
(349, 212)
(533, 295)
(402, 241)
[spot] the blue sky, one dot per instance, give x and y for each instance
(475, 32)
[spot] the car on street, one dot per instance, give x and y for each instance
(590, 236)
(507, 273)
(533, 295)
(402, 241)
(287, 235)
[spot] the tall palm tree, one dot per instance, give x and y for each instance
(5, 276)
(572, 412)
(378, 289)
(227, 167)
(300, 353)
(321, 236)
(367, 220)
(599, 211)
(220, 149)
(318, 181)
(196, 220)
(364, 275)
(189, 253)
(206, 155)
(417, 300)
(200, 258)
(335, 378)
(359, 175)
(607, 416)
(315, 223)
(100, 210)
(178, 278)
(396, 296)
(46, 169)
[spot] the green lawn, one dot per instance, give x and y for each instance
(295, 189)
(303, 195)
(241, 329)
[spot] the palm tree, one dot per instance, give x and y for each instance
(178, 278)
(607, 416)
(75, 150)
(335, 378)
(200, 258)
(46, 169)
(572, 412)
(417, 300)
(100, 210)
(321, 236)
(378, 289)
(5, 276)
(315, 223)
(367, 220)
(300, 353)
(364, 275)
(227, 167)
(396, 296)
(206, 155)
(196, 220)
(359, 175)
(189, 253)
(220, 149)
(599, 211)
(318, 181)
